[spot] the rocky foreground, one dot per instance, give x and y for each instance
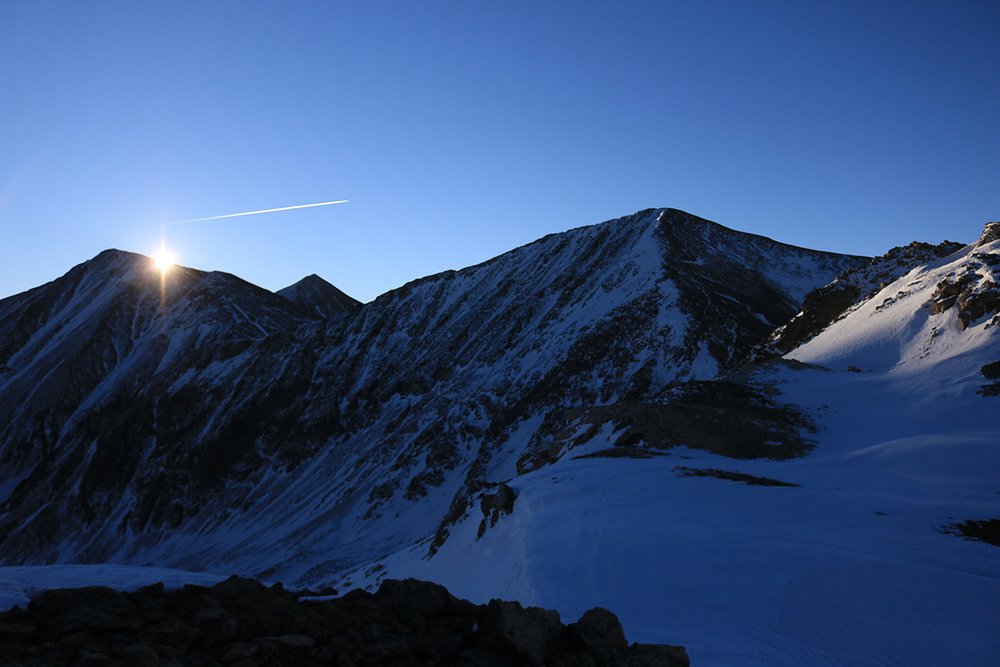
(242, 623)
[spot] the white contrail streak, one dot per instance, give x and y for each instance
(237, 215)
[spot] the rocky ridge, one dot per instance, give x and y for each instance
(824, 305)
(210, 415)
(243, 623)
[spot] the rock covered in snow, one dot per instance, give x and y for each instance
(990, 234)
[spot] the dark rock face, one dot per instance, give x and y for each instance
(495, 504)
(241, 622)
(599, 630)
(735, 420)
(526, 636)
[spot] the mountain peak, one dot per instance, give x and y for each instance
(320, 297)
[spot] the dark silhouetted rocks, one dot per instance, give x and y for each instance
(242, 623)
(494, 505)
(986, 530)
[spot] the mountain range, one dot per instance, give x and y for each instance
(764, 452)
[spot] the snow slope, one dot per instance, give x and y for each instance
(851, 566)
(345, 452)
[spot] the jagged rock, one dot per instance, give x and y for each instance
(497, 503)
(405, 622)
(413, 600)
(524, 634)
(735, 420)
(990, 233)
(991, 371)
(600, 631)
(976, 303)
(822, 306)
(945, 295)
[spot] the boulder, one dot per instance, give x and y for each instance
(601, 634)
(412, 600)
(527, 635)
(654, 655)
(405, 622)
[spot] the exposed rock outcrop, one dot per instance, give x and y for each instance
(242, 622)
(974, 291)
(990, 233)
(824, 305)
(720, 416)
(494, 505)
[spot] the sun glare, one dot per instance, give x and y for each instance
(163, 260)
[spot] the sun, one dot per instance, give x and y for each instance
(163, 260)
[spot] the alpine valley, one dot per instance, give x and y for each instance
(768, 454)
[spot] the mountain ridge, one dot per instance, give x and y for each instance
(568, 424)
(536, 312)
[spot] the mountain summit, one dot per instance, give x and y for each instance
(571, 423)
(136, 417)
(320, 297)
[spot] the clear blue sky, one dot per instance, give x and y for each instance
(462, 129)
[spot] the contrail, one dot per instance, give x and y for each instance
(237, 215)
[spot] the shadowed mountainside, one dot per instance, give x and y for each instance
(208, 423)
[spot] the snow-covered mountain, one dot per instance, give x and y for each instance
(320, 297)
(570, 424)
(847, 555)
(182, 422)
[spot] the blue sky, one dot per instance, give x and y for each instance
(459, 130)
